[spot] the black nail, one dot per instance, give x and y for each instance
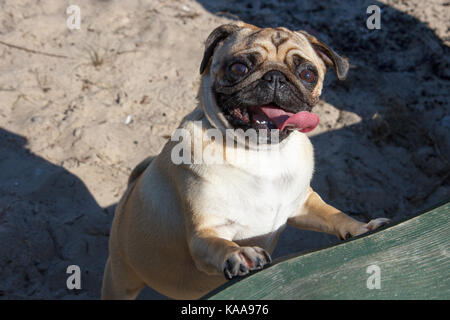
(243, 268)
(267, 256)
(227, 269)
(259, 263)
(348, 236)
(227, 274)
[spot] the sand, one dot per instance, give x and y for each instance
(80, 108)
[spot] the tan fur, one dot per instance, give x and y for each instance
(178, 226)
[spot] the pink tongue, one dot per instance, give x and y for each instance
(303, 121)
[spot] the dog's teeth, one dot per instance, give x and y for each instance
(261, 122)
(290, 127)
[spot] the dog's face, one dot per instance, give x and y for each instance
(266, 78)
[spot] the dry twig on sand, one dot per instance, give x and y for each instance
(33, 51)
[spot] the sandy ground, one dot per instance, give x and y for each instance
(73, 126)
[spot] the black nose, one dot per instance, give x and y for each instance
(274, 77)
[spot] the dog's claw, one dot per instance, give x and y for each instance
(227, 274)
(267, 256)
(243, 269)
(227, 269)
(376, 223)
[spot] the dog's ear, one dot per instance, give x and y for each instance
(219, 34)
(328, 55)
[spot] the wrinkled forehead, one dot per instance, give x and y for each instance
(274, 44)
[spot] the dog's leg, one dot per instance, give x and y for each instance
(316, 215)
(215, 255)
(120, 282)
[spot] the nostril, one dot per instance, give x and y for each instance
(274, 76)
(268, 76)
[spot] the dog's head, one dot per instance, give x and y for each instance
(264, 78)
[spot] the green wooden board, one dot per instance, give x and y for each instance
(413, 258)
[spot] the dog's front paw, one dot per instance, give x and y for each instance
(364, 227)
(244, 259)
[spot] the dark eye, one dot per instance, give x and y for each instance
(308, 76)
(238, 69)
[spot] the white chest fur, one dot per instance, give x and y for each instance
(255, 197)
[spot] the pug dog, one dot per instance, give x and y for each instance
(184, 228)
